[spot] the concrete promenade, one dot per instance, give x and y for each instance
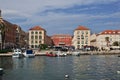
(42, 53)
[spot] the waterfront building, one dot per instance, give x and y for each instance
(37, 36)
(7, 34)
(10, 34)
(62, 40)
(93, 38)
(81, 37)
(20, 37)
(48, 40)
(107, 38)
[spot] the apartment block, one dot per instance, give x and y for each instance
(37, 36)
(81, 37)
(111, 35)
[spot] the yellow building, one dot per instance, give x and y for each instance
(81, 37)
(36, 36)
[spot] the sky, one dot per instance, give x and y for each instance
(62, 16)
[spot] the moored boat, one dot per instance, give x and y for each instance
(61, 54)
(29, 53)
(51, 54)
(76, 53)
(17, 53)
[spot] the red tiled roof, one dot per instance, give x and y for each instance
(61, 35)
(82, 28)
(111, 32)
(37, 28)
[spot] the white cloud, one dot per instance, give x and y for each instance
(27, 9)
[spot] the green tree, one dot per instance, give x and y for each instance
(43, 46)
(116, 43)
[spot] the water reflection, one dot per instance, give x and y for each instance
(95, 67)
(6, 62)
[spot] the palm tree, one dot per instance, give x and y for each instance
(2, 29)
(107, 41)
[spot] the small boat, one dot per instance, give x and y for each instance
(51, 54)
(76, 53)
(61, 54)
(29, 53)
(17, 53)
(1, 71)
(118, 55)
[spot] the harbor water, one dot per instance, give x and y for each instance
(84, 67)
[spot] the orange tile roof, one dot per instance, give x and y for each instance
(37, 28)
(61, 35)
(82, 28)
(111, 32)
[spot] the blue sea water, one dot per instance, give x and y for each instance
(84, 67)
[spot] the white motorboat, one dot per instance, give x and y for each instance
(17, 53)
(29, 53)
(76, 53)
(61, 54)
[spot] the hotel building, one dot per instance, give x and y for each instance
(112, 35)
(81, 37)
(37, 36)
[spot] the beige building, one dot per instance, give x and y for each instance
(81, 37)
(93, 38)
(36, 36)
(111, 35)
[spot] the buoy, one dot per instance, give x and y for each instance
(118, 72)
(66, 76)
(1, 71)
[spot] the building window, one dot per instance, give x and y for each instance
(86, 42)
(36, 32)
(40, 37)
(32, 46)
(31, 42)
(36, 46)
(40, 32)
(32, 37)
(32, 32)
(82, 32)
(86, 32)
(40, 42)
(36, 37)
(36, 42)
(82, 42)
(82, 37)
(78, 42)
(77, 32)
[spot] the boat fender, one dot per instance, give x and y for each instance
(1, 71)
(66, 76)
(118, 72)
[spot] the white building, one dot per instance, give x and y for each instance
(81, 37)
(36, 36)
(112, 35)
